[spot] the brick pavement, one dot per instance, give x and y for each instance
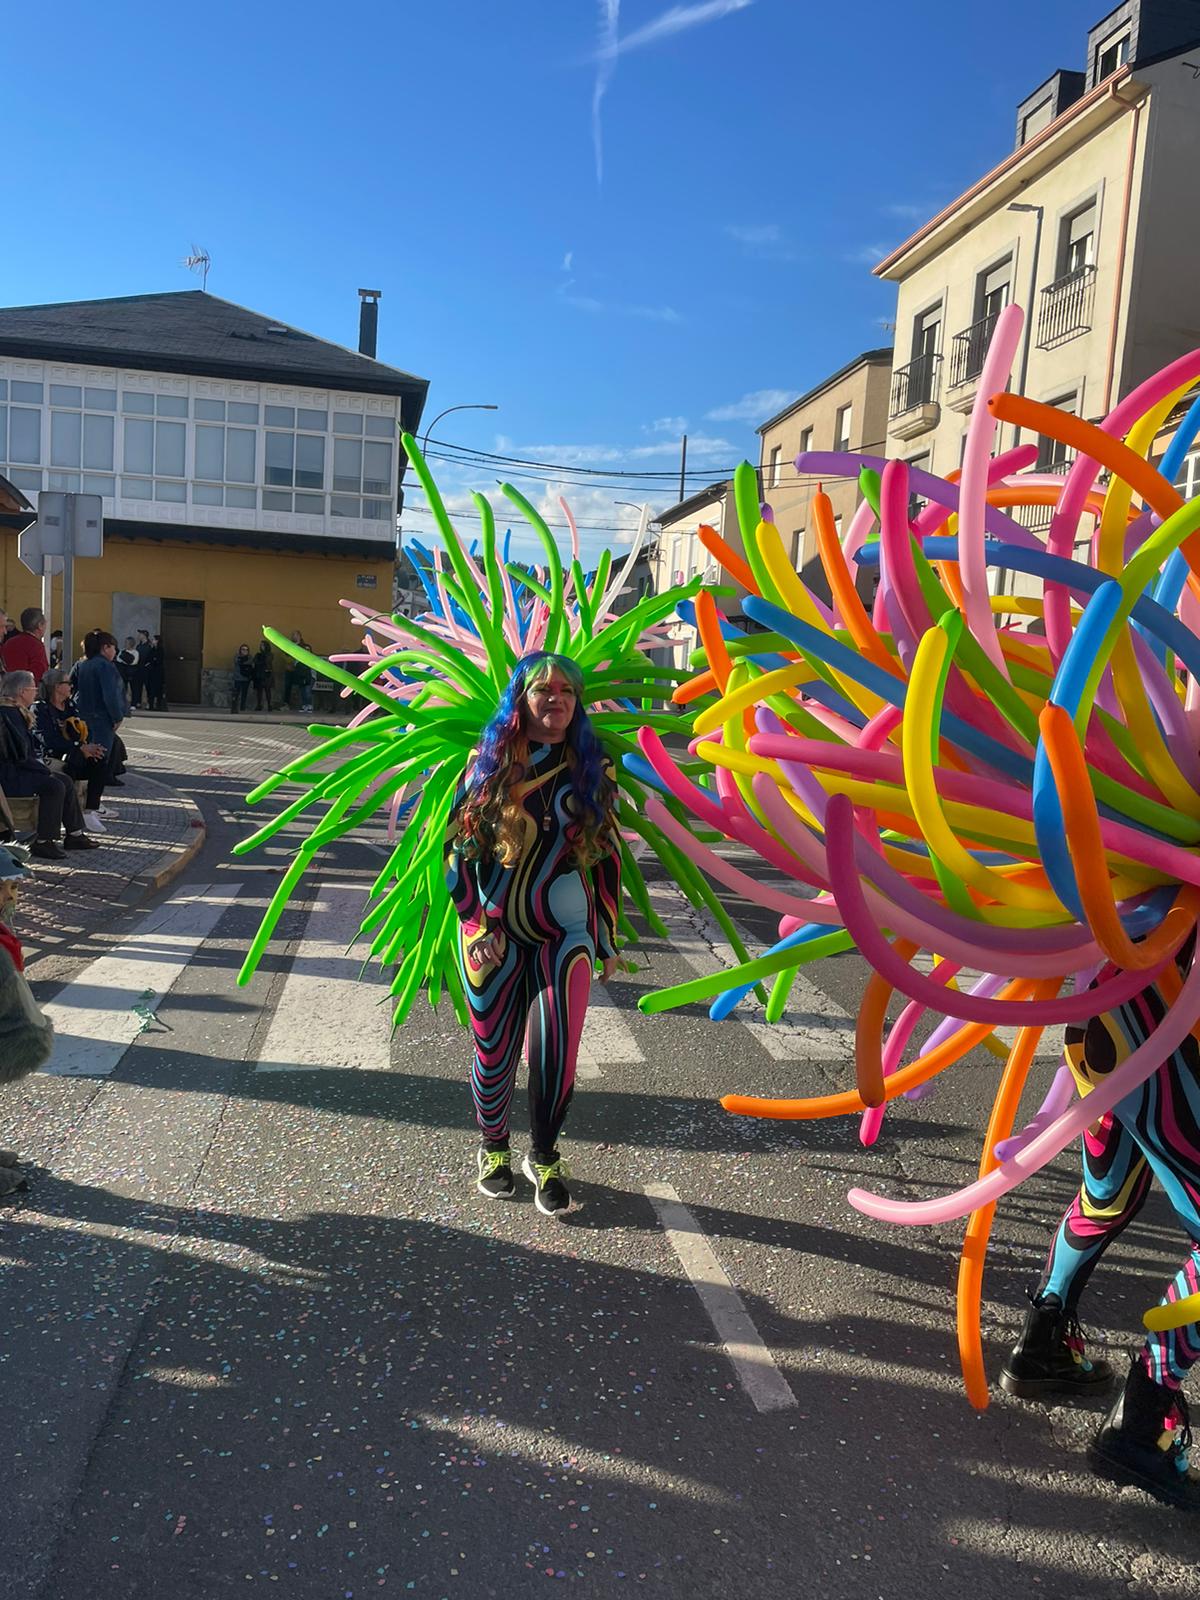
(154, 833)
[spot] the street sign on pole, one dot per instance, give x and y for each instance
(68, 525)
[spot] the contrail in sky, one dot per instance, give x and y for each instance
(677, 20)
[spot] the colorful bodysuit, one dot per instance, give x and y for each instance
(555, 918)
(1153, 1133)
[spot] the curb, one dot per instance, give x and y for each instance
(172, 862)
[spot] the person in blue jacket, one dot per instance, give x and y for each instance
(99, 692)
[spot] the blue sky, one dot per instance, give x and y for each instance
(611, 218)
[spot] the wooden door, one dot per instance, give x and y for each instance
(183, 649)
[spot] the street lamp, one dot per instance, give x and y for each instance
(446, 413)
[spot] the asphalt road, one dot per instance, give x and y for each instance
(259, 1330)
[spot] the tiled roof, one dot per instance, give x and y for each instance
(194, 332)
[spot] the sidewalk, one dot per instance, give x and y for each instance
(152, 837)
(300, 719)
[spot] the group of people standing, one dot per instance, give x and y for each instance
(142, 665)
(257, 671)
(59, 728)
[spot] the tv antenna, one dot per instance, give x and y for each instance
(199, 261)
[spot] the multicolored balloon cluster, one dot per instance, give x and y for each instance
(939, 779)
(430, 686)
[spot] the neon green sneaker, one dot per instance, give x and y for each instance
(550, 1190)
(495, 1174)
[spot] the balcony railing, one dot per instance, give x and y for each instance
(916, 384)
(1066, 309)
(969, 349)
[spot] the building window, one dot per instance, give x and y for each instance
(917, 383)
(295, 460)
(915, 499)
(806, 441)
(154, 454)
(1053, 455)
(83, 436)
(993, 290)
(1111, 54)
(842, 427)
(1077, 240)
(363, 467)
(775, 457)
(1034, 121)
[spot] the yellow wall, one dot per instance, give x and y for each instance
(242, 590)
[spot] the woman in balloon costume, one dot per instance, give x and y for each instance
(534, 871)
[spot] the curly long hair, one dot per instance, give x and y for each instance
(490, 820)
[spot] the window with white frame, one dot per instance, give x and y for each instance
(1111, 53)
(1034, 121)
(294, 459)
(1188, 481)
(363, 465)
(841, 428)
(1053, 455)
(154, 446)
(225, 453)
(21, 433)
(775, 458)
(83, 431)
(1077, 240)
(806, 441)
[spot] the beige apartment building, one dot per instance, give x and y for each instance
(846, 411)
(679, 555)
(1090, 223)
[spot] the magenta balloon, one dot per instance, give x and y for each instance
(863, 928)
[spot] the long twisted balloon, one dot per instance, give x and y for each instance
(430, 686)
(935, 780)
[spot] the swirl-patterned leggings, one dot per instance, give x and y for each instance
(1150, 1134)
(538, 998)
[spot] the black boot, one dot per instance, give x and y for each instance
(1048, 1358)
(1144, 1442)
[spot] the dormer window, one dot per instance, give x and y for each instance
(1111, 53)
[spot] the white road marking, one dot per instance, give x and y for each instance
(328, 1015)
(741, 1341)
(827, 1030)
(94, 1017)
(607, 1038)
(156, 733)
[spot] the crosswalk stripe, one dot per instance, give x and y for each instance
(1050, 1046)
(608, 1040)
(331, 1012)
(99, 1014)
(826, 1034)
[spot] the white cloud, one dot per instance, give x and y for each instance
(906, 211)
(672, 425)
(567, 260)
(754, 407)
(866, 255)
(610, 308)
(754, 233)
(679, 19)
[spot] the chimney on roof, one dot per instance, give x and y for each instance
(368, 321)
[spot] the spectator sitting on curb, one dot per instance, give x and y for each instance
(26, 1033)
(101, 699)
(63, 735)
(24, 651)
(24, 775)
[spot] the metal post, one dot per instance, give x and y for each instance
(683, 471)
(70, 648)
(47, 597)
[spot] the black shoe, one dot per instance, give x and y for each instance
(1048, 1358)
(1144, 1442)
(47, 850)
(80, 841)
(495, 1173)
(547, 1173)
